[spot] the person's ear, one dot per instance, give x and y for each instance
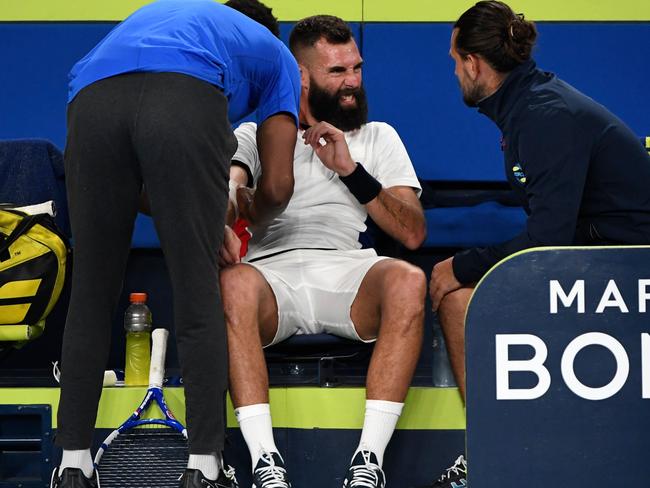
(304, 77)
(473, 66)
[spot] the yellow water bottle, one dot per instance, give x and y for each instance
(137, 323)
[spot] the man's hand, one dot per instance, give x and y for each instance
(443, 281)
(334, 154)
(229, 252)
(244, 201)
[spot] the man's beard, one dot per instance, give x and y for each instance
(327, 107)
(472, 94)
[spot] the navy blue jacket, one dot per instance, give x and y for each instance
(582, 174)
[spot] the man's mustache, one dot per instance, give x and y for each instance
(348, 91)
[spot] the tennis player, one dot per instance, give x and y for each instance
(305, 271)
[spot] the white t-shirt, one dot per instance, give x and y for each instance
(322, 213)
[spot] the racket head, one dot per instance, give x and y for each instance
(145, 456)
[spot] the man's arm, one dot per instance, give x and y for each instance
(396, 210)
(555, 157)
(276, 141)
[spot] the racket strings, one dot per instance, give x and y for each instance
(143, 458)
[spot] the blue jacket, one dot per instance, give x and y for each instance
(583, 176)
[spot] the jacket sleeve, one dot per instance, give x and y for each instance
(554, 154)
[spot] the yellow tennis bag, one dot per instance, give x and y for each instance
(33, 255)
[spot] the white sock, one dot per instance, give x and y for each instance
(208, 464)
(378, 426)
(80, 459)
(257, 429)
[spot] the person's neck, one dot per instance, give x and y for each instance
(493, 82)
(305, 117)
(505, 92)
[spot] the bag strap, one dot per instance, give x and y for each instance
(27, 222)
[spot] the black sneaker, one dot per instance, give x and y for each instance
(364, 472)
(193, 478)
(270, 472)
(454, 477)
(73, 478)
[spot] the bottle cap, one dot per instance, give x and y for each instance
(138, 297)
(137, 317)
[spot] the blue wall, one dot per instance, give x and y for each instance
(408, 75)
(410, 82)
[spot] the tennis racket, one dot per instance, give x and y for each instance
(149, 452)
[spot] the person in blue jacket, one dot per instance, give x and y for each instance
(582, 175)
(151, 106)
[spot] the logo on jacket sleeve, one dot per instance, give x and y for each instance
(518, 173)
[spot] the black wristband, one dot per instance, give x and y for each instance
(361, 184)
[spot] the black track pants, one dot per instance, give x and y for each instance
(170, 132)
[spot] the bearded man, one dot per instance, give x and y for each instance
(305, 271)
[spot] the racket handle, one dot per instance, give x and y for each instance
(158, 352)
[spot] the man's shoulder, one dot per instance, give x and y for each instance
(378, 125)
(246, 128)
(556, 100)
(546, 110)
(376, 129)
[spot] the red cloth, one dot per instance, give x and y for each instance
(241, 229)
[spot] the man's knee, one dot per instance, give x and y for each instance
(453, 307)
(403, 297)
(239, 290)
(404, 283)
(235, 280)
(391, 296)
(248, 302)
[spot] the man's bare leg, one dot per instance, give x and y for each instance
(390, 307)
(451, 315)
(251, 320)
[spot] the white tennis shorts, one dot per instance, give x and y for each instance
(314, 289)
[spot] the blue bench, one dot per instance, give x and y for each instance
(483, 224)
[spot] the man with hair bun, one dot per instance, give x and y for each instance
(563, 156)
